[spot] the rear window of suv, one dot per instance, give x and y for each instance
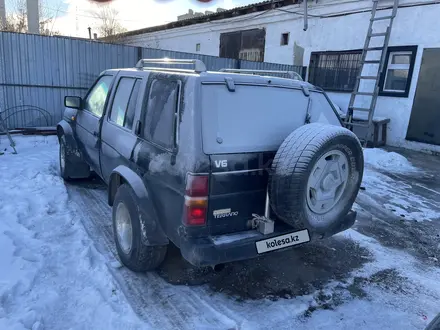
(257, 118)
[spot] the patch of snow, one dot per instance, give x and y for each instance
(397, 197)
(426, 188)
(419, 292)
(116, 264)
(389, 161)
(161, 163)
(52, 276)
(423, 279)
(380, 309)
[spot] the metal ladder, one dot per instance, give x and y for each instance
(370, 64)
(4, 128)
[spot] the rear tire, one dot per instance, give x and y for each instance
(315, 177)
(134, 254)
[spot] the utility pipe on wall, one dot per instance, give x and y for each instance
(306, 23)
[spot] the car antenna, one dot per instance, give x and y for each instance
(306, 93)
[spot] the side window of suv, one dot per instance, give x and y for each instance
(124, 102)
(161, 112)
(129, 117)
(95, 101)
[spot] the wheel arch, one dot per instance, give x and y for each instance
(124, 175)
(64, 128)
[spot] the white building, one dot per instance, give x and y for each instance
(331, 48)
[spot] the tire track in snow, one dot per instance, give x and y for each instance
(96, 218)
(159, 304)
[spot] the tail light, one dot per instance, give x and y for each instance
(196, 200)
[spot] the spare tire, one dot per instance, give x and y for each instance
(315, 177)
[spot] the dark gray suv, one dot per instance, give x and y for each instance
(225, 165)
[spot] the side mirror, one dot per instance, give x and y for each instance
(74, 102)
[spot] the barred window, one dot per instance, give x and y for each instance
(335, 71)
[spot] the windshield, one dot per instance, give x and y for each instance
(257, 118)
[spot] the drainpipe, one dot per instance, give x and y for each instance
(306, 23)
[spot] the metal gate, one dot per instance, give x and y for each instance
(424, 123)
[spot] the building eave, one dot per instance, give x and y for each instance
(231, 13)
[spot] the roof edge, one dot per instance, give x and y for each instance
(231, 13)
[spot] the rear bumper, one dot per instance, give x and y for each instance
(214, 250)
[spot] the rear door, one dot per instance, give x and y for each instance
(118, 138)
(242, 130)
(157, 148)
(241, 133)
(237, 190)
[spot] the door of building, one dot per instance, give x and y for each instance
(424, 124)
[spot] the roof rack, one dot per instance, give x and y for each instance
(199, 66)
(292, 74)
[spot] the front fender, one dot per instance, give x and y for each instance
(152, 231)
(64, 128)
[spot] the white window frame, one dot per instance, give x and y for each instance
(391, 66)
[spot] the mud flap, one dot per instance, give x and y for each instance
(151, 233)
(345, 224)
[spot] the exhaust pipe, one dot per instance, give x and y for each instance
(218, 268)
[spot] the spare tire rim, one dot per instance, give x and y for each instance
(327, 181)
(124, 231)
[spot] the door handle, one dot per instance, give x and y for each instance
(95, 133)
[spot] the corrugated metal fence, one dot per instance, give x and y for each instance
(36, 72)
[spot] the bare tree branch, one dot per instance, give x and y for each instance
(16, 20)
(47, 18)
(109, 26)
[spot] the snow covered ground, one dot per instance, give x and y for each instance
(58, 267)
(381, 171)
(52, 276)
(386, 160)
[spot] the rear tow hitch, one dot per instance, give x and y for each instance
(262, 223)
